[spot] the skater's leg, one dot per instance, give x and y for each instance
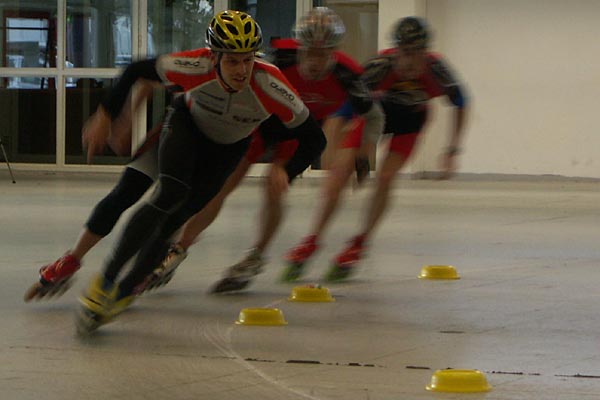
(239, 275)
(54, 278)
(335, 183)
(177, 252)
(400, 149)
(177, 159)
(202, 220)
(393, 162)
(271, 212)
(215, 164)
(130, 188)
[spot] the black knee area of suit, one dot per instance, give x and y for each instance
(130, 188)
(170, 194)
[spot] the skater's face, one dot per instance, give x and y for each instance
(315, 63)
(410, 61)
(236, 69)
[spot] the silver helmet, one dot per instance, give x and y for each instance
(320, 27)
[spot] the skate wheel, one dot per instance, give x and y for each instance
(64, 287)
(39, 291)
(33, 292)
(293, 272)
(229, 285)
(338, 273)
(87, 322)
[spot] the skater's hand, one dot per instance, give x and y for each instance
(119, 139)
(95, 133)
(121, 128)
(278, 180)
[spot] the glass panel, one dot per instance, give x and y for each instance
(98, 33)
(174, 26)
(28, 118)
(177, 25)
(361, 23)
(28, 34)
(83, 97)
(275, 17)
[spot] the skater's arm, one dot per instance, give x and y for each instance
(112, 114)
(114, 102)
(454, 90)
(308, 137)
(311, 143)
(120, 135)
(454, 149)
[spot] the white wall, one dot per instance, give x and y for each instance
(532, 68)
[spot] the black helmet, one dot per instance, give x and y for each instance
(412, 31)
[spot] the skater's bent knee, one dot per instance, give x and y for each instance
(170, 193)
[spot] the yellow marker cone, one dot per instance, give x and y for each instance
(439, 272)
(261, 316)
(311, 293)
(458, 381)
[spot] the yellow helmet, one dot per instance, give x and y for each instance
(233, 32)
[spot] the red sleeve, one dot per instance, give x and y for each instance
(285, 150)
(191, 53)
(187, 69)
(279, 96)
(256, 149)
(348, 62)
(389, 51)
(432, 86)
(284, 44)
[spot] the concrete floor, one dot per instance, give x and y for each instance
(525, 311)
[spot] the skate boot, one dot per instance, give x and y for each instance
(96, 303)
(120, 304)
(239, 275)
(344, 264)
(297, 257)
(165, 271)
(55, 278)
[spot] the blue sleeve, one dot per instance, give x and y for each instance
(346, 111)
(457, 97)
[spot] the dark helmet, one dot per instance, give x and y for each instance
(412, 31)
(233, 32)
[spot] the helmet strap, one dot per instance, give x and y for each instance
(220, 75)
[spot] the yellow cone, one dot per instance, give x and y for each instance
(311, 293)
(458, 381)
(261, 316)
(438, 272)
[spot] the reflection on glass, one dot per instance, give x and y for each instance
(28, 118)
(82, 100)
(28, 34)
(177, 25)
(174, 26)
(275, 17)
(361, 25)
(98, 33)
